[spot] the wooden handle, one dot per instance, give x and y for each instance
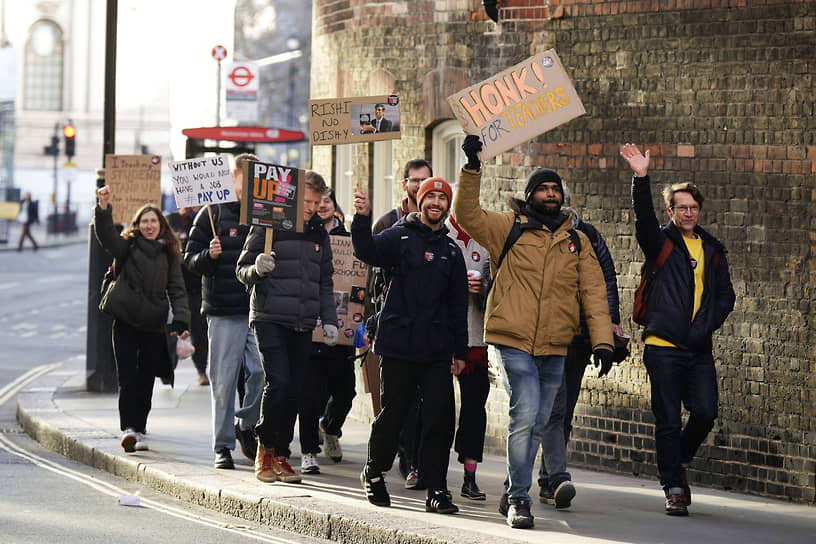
(269, 237)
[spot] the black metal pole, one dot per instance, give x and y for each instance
(99, 362)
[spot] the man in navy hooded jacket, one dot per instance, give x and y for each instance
(421, 337)
(689, 298)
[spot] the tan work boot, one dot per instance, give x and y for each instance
(265, 464)
(284, 471)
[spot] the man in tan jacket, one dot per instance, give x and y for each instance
(543, 282)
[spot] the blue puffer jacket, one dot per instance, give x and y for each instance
(671, 300)
(424, 317)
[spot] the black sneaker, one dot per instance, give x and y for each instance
(563, 494)
(504, 505)
(519, 516)
(247, 441)
(440, 501)
(375, 489)
(223, 459)
(471, 491)
(545, 493)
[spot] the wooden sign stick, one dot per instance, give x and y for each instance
(269, 237)
(212, 223)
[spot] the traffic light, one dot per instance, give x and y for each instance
(70, 136)
(53, 149)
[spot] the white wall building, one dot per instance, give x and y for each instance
(166, 81)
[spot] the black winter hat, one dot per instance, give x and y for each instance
(542, 175)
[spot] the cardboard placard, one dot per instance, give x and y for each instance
(517, 104)
(350, 280)
(9, 210)
(272, 196)
(134, 180)
(201, 181)
(338, 121)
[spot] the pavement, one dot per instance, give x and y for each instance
(58, 412)
(44, 239)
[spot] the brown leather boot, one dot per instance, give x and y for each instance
(265, 464)
(284, 472)
(676, 505)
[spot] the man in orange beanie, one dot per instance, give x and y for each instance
(421, 337)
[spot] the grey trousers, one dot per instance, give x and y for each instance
(232, 345)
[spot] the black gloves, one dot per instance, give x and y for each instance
(177, 327)
(603, 358)
(472, 147)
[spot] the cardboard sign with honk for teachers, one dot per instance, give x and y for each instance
(517, 104)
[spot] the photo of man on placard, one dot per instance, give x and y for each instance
(376, 118)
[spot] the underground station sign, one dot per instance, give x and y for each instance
(245, 134)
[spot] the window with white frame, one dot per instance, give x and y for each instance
(42, 79)
(381, 200)
(343, 182)
(447, 155)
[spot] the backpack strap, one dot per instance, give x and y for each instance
(576, 241)
(512, 238)
(665, 251)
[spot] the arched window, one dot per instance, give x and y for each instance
(448, 158)
(42, 83)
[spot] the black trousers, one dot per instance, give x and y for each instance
(329, 393)
(285, 359)
(138, 354)
(470, 435)
(578, 357)
(680, 378)
(399, 381)
(198, 330)
(338, 392)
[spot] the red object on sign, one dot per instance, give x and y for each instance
(245, 134)
(241, 76)
(219, 52)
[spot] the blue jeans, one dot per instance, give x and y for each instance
(232, 345)
(531, 383)
(680, 376)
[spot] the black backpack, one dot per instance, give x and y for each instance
(512, 238)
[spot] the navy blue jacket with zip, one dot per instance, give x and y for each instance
(424, 317)
(670, 303)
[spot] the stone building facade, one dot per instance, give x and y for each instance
(721, 92)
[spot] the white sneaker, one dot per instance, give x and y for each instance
(141, 443)
(308, 464)
(332, 444)
(129, 440)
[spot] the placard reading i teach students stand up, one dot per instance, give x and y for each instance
(135, 180)
(273, 198)
(517, 104)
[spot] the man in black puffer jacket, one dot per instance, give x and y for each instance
(225, 303)
(689, 298)
(291, 289)
(421, 337)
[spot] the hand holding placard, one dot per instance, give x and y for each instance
(361, 203)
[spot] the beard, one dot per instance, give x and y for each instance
(429, 221)
(547, 207)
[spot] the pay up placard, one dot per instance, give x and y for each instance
(337, 121)
(134, 180)
(350, 279)
(517, 104)
(202, 181)
(273, 196)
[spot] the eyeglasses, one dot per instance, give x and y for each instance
(684, 209)
(379, 109)
(414, 180)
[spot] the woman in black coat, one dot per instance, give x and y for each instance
(147, 259)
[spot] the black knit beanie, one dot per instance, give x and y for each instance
(542, 175)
